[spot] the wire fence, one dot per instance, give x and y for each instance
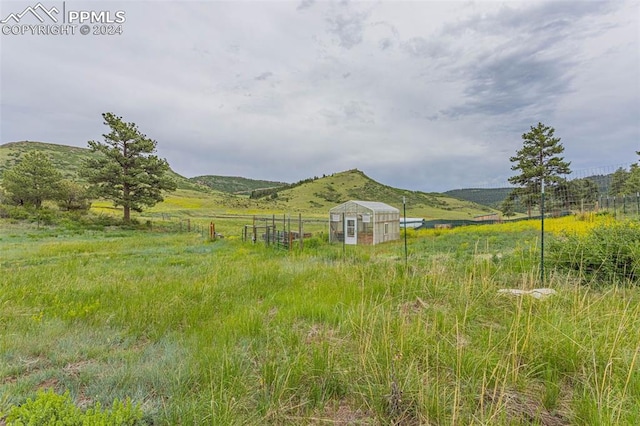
(595, 190)
(613, 189)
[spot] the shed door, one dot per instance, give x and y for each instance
(350, 230)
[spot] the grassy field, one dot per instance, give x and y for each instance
(224, 332)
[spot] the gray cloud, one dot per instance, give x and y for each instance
(264, 76)
(421, 95)
(506, 83)
(305, 4)
(348, 28)
(534, 61)
(422, 48)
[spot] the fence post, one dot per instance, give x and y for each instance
(300, 231)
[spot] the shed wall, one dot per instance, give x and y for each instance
(373, 227)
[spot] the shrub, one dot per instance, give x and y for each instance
(73, 197)
(14, 212)
(313, 242)
(50, 408)
(608, 253)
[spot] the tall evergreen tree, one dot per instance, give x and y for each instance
(632, 184)
(127, 173)
(33, 180)
(538, 162)
(618, 180)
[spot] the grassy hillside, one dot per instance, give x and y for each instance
(323, 193)
(67, 159)
(235, 184)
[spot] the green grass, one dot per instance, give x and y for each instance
(200, 332)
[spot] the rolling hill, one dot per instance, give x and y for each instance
(320, 194)
(310, 196)
(491, 197)
(235, 184)
(68, 160)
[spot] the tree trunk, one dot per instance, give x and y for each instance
(126, 207)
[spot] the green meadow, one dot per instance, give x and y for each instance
(194, 331)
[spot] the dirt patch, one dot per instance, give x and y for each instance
(74, 368)
(9, 380)
(319, 333)
(32, 364)
(415, 307)
(520, 407)
(51, 383)
(83, 401)
(341, 413)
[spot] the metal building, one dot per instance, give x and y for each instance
(364, 222)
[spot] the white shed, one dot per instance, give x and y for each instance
(364, 222)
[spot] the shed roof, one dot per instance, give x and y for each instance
(375, 206)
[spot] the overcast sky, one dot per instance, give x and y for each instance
(422, 95)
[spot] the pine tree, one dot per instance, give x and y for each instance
(632, 183)
(539, 163)
(32, 181)
(618, 180)
(127, 173)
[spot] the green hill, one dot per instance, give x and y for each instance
(67, 159)
(491, 197)
(235, 184)
(218, 193)
(320, 194)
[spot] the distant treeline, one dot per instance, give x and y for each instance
(570, 193)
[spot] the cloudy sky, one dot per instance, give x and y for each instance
(423, 95)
